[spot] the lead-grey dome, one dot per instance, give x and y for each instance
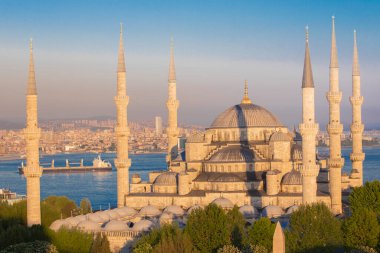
(233, 154)
(246, 115)
(292, 178)
(167, 178)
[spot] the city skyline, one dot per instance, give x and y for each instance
(75, 60)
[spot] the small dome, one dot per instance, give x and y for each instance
(233, 154)
(176, 210)
(113, 214)
(166, 218)
(56, 225)
(126, 211)
(223, 203)
(149, 211)
(292, 178)
(191, 209)
(292, 209)
(103, 215)
(246, 115)
(249, 212)
(80, 218)
(167, 178)
(196, 138)
(272, 211)
(279, 137)
(116, 225)
(72, 221)
(88, 225)
(143, 225)
(95, 218)
(135, 176)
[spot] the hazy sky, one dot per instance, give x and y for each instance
(218, 44)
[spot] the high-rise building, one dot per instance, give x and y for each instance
(158, 125)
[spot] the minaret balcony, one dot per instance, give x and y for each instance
(357, 128)
(308, 129)
(334, 128)
(309, 170)
(172, 103)
(356, 100)
(121, 100)
(122, 130)
(334, 97)
(122, 163)
(32, 171)
(31, 133)
(335, 162)
(173, 131)
(357, 157)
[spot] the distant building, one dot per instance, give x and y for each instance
(158, 125)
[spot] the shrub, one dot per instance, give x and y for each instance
(85, 206)
(31, 247)
(367, 196)
(228, 249)
(71, 240)
(255, 249)
(261, 233)
(100, 244)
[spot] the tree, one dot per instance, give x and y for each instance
(313, 228)
(53, 207)
(367, 196)
(100, 244)
(261, 233)
(71, 240)
(85, 206)
(236, 224)
(361, 229)
(208, 228)
(175, 242)
(36, 246)
(255, 249)
(228, 249)
(143, 248)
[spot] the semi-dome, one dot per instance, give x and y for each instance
(143, 225)
(248, 211)
(246, 115)
(116, 225)
(292, 178)
(223, 203)
(272, 211)
(173, 209)
(149, 211)
(88, 225)
(279, 137)
(167, 178)
(227, 177)
(126, 211)
(233, 154)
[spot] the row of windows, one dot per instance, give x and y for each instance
(228, 168)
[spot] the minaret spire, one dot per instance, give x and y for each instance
(357, 127)
(32, 134)
(307, 79)
(172, 105)
(308, 129)
(122, 161)
(246, 99)
(335, 129)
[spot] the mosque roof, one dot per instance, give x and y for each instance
(230, 176)
(233, 154)
(116, 225)
(280, 136)
(193, 208)
(272, 211)
(246, 115)
(174, 209)
(292, 209)
(149, 211)
(89, 225)
(143, 225)
(249, 211)
(292, 178)
(223, 203)
(126, 211)
(167, 178)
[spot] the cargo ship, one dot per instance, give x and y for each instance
(98, 165)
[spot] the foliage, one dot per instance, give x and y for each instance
(367, 196)
(229, 249)
(207, 228)
(255, 249)
(71, 240)
(313, 228)
(55, 207)
(363, 250)
(361, 229)
(100, 244)
(143, 248)
(31, 247)
(85, 206)
(236, 224)
(261, 233)
(17, 211)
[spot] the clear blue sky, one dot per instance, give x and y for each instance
(218, 44)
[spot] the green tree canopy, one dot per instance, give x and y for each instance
(367, 196)
(100, 244)
(261, 233)
(53, 207)
(236, 224)
(313, 228)
(228, 249)
(71, 240)
(85, 206)
(361, 229)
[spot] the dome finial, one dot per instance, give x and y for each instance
(246, 99)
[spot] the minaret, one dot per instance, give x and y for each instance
(357, 128)
(309, 129)
(172, 104)
(335, 129)
(122, 161)
(32, 134)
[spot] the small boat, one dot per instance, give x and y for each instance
(98, 165)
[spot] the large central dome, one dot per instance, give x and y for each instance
(246, 115)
